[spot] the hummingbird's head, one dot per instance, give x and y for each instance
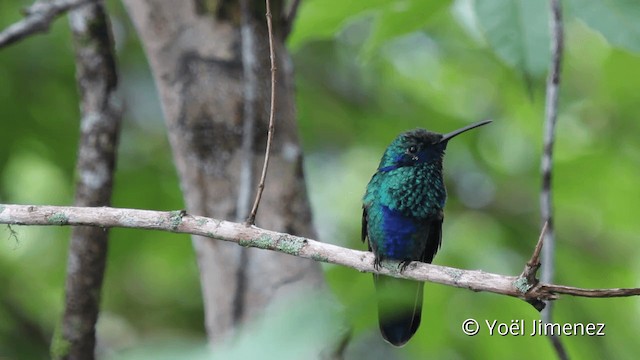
(411, 148)
(419, 146)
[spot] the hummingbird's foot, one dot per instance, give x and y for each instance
(377, 262)
(403, 264)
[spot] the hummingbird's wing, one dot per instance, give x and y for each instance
(364, 224)
(434, 238)
(369, 201)
(365, 236)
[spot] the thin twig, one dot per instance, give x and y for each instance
(252, 236)
(546, 200)
(252, 217)
(533, 264)
(39, 17)
(13, 234)
(535, 257)
(528, 276)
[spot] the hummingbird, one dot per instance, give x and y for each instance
(402, 221)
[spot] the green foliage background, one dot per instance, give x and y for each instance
(366, 71)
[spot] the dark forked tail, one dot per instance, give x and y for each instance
(399, 308)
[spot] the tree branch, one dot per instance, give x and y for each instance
(551, 115)
(39, 17)
(252, 236)
(100, 127)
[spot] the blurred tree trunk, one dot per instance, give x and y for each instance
(196, 51)
(97, 80)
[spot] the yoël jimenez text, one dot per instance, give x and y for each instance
(540, 328)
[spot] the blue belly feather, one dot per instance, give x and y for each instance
(403, 237)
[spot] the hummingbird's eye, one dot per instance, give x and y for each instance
(413, 149)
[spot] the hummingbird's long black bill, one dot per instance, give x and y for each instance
(446, 137)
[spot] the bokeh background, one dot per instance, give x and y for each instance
(365, 71)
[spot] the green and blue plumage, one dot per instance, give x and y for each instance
(402, 221)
